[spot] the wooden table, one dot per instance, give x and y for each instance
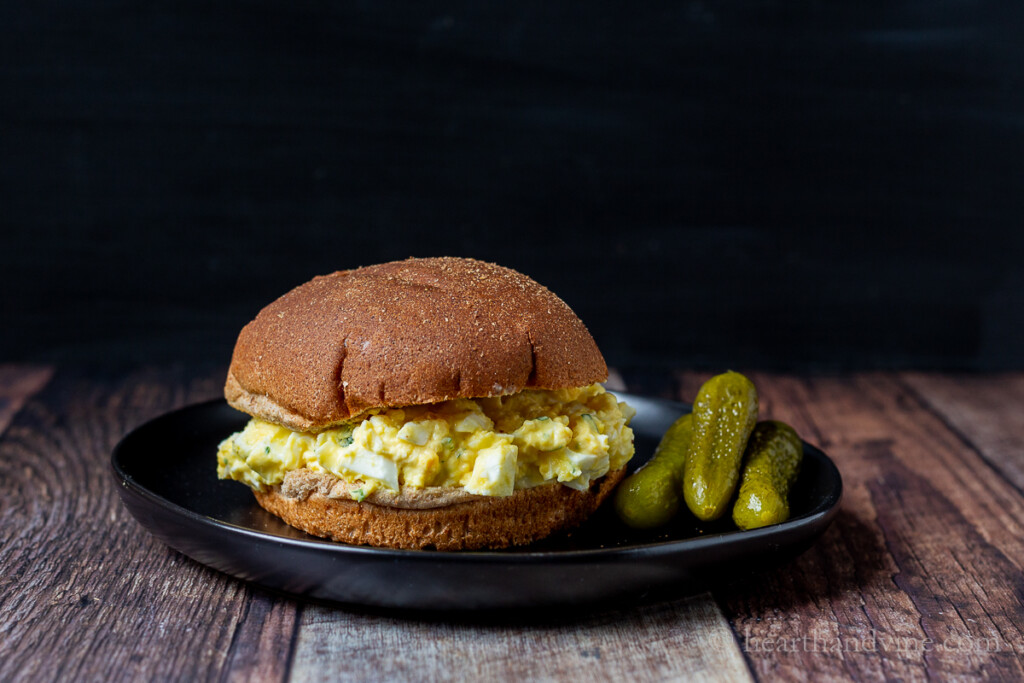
(918, 577)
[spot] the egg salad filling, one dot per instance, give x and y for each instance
(487, 446)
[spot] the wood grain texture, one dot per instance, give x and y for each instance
(685, 639)
(17, 384)
(986, 410)
(86, 594)
(919, 577)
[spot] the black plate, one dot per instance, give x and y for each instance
(166, 471)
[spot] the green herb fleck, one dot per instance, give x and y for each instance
(447, 442)
(543, 418)
(345, 440)
(358, 495)
(267, 450)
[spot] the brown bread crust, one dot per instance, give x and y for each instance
(406, 333)
(525, 516)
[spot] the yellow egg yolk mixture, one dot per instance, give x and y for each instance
(487, 446)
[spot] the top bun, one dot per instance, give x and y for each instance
(406, 333)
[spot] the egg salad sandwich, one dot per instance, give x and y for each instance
(438, 403)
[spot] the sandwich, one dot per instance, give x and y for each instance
(441, 403)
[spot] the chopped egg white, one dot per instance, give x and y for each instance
(489, 446)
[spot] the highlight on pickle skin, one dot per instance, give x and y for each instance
(724, 415)
(772, 464)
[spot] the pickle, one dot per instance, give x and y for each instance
(724, 414)
(650, 496)
(772, 465)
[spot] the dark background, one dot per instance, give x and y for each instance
(783, 184)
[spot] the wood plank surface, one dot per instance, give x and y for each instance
(86, 593)
(17, 384)
(684, 639)
(920, 575)
(986, 410)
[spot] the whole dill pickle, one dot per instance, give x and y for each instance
(772, 464)
(724, 414)
(650, 496)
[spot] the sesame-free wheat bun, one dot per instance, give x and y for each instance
(406, 333)
(429, 403)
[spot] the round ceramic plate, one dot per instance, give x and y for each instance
(167, 474)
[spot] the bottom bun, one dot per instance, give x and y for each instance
(527, 515)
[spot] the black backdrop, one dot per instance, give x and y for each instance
(785, 184)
